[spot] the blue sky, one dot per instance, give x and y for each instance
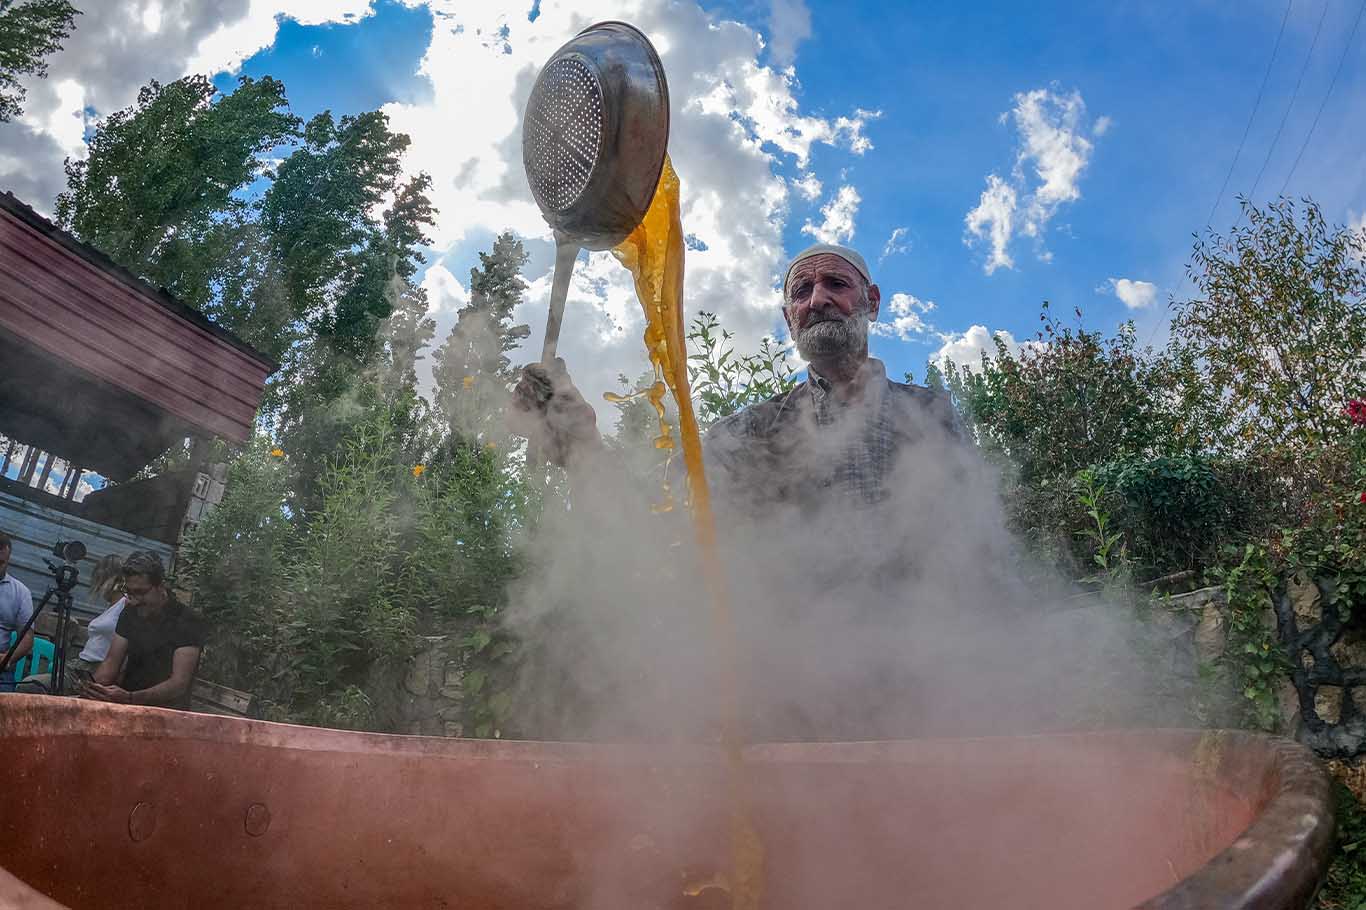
(1103, 132)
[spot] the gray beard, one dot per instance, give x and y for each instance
(833, 339)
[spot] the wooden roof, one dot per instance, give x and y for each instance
(101, 368)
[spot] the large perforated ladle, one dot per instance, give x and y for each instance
(594, 135)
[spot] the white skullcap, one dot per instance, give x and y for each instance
(848, 255)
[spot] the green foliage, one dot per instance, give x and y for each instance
(724, 382)
(234, 561)
(472, 369)
(1252, 658)
(30, 31)
(1175, 511)
(292, 257)
(1344, 886)
(1109, 551)
(1070, 400)
(161, 177)
(1271, 349)
(300, 611)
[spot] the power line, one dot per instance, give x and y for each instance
(1332, 83)
(1293, 95)
(1255, 105)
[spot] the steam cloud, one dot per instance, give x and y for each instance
(918, 615)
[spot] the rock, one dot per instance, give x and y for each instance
(1211, 634)
(1304, 599)
(1328, 703)
(1288, 699)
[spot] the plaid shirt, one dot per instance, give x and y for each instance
(804, 446)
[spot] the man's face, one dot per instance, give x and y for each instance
(141, 592)
(829, 307)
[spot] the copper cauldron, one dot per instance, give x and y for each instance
(106, 806)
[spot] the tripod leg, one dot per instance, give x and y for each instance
(59, 645)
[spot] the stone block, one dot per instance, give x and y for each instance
(1211, 633)
(1328, 703)
(453, 729)
(1304, 599)
(419, 674)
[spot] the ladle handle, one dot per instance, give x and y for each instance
(565, 253)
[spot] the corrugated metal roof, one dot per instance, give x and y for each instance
(36, 528)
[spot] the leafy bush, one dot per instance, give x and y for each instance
(1067, 401)
(724, 382)
(1175, 511)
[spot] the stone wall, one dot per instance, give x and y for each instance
(431, 694)
(1312, 707)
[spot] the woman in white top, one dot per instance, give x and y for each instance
(106, 584)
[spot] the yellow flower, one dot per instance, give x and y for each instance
(277, 452)
(418, 469)
(490, 446)
(468, 382)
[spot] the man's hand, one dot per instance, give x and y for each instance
(116, 694)
(552, 414)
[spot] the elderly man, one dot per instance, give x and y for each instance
(834, 438)
(827, 503)
(16, 607)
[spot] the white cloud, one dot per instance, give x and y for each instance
(739, 140)
(445, 293)
(809, 186)
(839, 214)
(994, 219)
(1357, 222)
(1052, 154)
(896, 244)
(1135, 295)
(907, 320)
(238, 38)
(966, 349)
(738, 136)
(1102, 125)
(151, 16)
(115, 49)
(789, 24)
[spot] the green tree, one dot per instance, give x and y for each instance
(1070, 400)
(298, 258)
(29, 33)
(1273, 342)
(472, 369)
(160, 191)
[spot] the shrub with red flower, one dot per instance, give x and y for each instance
(1356, 411)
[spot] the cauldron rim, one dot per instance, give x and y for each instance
(1278, 861)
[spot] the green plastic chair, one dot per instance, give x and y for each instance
(38, 660)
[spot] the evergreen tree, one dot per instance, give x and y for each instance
(472, 370)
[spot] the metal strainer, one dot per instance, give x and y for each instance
(594, 135)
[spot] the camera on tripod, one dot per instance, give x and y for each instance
(69, 552)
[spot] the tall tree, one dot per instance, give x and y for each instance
(304, 258)
(1275, 339)
(472, 369)
(161, 189)
(29, 33)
